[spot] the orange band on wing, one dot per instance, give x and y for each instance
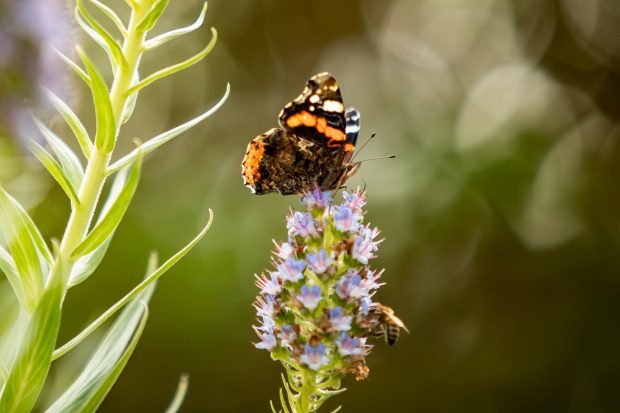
(320, 124)
(251, 161)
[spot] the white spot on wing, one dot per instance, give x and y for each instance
(314, 98)
(333, 106)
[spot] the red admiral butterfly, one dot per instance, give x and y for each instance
(313, 147)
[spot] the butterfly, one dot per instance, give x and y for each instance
(313, 147)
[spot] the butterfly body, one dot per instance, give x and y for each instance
(312, 147)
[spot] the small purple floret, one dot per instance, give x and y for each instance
(291, 269)
(287, 335)
(339, 321)
(267, 339)
(314, 356)
(345, 220)
(349, 346)
(268, 286)
(310, 296)
(317, 199)
(301, 224)
(265, 306)
(364, 246)
(320, 262)
(365, 304)
(284, 250)
(355, 201)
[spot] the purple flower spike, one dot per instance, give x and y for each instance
(339, 321)
(320, 262)
(301, 224)
(267, 339)
(291, 269)
(310, 296)
(364, 246)
(317, 199)
(268, 286)
(355, 201)
(315, 309)
(349, 346)
(314, 356)
(345, 220)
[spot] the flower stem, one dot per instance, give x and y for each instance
(305, 403)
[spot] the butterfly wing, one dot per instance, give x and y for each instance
(278, 161)
(318, 114)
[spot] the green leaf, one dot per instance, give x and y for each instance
(74, 66)
(131, 100)
(26, 246)
(68, 159)
(14, 324)
(109, 43)
(173, 34)
(30, 369)
(86, 393)
(111, 15)
(175, 68)
(179, 395)
(152, 16)
(162, 138)
(56, 171)
(87, 264)
(73, 121)
(104, 228)
(105, 137)
(7, 266)
(154, 276)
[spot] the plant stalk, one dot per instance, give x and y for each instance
(96, 169)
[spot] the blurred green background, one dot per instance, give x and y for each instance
(500, 211)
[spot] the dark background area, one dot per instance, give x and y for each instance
(500, 211)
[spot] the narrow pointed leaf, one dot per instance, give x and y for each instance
(7, 266)
(23, 242)
(30, 226)
(110, 42)
(152, 16)
(162, 138)
(111, 15)
(74, 66)
(154, 276)
(104, 228)
(106, 125)
(175, 68)
(179, 395)
(56, 171)
(86, 393)
(131, 100)
(87, 264)
(68, 160)
(173, 34)
(74, 123)
(30, 369)
(97, 38)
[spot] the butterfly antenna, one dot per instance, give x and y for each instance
(362, 147)
(379, 157)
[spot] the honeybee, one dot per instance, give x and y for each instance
(384, 323)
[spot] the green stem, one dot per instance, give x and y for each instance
(96, 169)
(308, 388)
